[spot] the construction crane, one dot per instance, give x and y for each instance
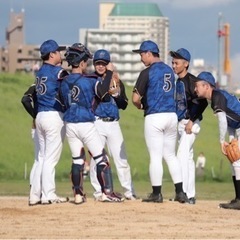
(227, 63)
(224, 65)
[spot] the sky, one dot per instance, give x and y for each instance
(193, 23)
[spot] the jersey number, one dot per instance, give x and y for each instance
(167, 82)
(41, 87)
(73, 95)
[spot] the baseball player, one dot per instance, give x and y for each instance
(227, 109)
(29, 103)
(189, 111)
(154, 93)
(78, 92)
(107, 124)
(49, 125)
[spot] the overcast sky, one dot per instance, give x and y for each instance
(193, 23)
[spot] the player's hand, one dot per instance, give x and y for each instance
(188, 127)
(223, 147)
(110, 67)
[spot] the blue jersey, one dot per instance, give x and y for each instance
(107, 109)
(78, 92)
(109, 106)
(47, 86)
(156, 86)
(223, 101)
(189, 105)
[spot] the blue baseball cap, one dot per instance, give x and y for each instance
(147, 46)
(101, 55)
(50, 46)
(207, 77)
(181, 53)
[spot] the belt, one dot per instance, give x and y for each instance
(107, 119)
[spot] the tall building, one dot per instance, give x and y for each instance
(16, 56)
(122, 27)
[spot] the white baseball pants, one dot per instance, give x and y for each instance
(160, 131)
(111, 134)
(51, 132)
(185, 156)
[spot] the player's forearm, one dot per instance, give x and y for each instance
(222, 125)
(136, 99)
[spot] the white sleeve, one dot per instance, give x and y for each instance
(222, 124)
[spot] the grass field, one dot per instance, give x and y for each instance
(16, 146)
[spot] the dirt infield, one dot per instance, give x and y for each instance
(127, 220)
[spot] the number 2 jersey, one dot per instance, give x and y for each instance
(156, 86)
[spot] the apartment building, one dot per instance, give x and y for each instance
(122, 27)
(16, 56)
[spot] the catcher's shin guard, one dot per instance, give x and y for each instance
(77, 178)
(104, 176)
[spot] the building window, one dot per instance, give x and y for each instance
(19, 50)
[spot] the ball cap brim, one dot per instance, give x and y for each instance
(181, 53)
(147, 46)
(50, 46)
(206, 77)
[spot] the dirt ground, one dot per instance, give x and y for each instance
(127, 220)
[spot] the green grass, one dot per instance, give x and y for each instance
(16, 148)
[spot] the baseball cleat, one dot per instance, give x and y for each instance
(34, 203)
(131, 197)
(98, 198)
(233, 204)
(181, 197)
(78, 199)
(113, 197)
(157, 198)
(57, 200)
(192, 200)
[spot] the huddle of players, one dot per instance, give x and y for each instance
(71, 104)
(74, 97)
(154, 92)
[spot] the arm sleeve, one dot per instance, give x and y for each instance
(222, 125)
(197, 109)
(197, 105)
(103, 86)
(141, 86)
(28, 101)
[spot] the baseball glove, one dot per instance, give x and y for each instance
(232, 151)
(114, 87)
